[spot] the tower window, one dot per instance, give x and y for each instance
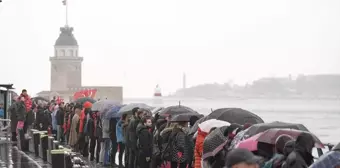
(62, 53)
(70, 53)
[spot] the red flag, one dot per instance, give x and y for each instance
(85, 93)
(64, 2)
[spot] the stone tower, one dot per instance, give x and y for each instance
(65, 64)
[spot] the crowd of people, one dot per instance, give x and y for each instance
(143, 140)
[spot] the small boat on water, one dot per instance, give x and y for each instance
(157, 97)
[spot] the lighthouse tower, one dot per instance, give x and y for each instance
(66, 63)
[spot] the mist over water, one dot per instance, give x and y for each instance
(320, 116)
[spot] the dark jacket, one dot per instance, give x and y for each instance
(60, 116)
(132, 137)
(144, 135)
(301, 157)
(113, 124)
(42, 119)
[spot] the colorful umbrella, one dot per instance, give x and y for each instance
(85, 99)
(270, 137)
(257, 128)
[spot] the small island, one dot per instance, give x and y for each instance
(302, 87)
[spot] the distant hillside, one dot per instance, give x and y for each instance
(304, 86)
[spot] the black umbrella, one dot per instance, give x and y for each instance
(186, 117)
(231, 115)
(214, 142)
(175, 110)
(85, 99)
(236, 115)
(257, 128)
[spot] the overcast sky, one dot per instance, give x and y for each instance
(141, 43)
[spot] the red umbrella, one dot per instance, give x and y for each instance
(270, 137)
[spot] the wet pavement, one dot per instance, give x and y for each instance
(11, 157)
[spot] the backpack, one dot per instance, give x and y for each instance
(167, 151)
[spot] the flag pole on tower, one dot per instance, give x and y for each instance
(65, 3)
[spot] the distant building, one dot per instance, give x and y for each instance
(184, 81)
(66, 70)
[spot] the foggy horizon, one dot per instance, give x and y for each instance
(138, 45)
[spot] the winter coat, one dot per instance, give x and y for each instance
(17, 113)
(60, 116)
(119, 131)
(176, 139)
(144, 140)
(29, 117)
(113, 124)
(73, 138)
(301, 156)
(28, 102)
(132, 141)
(91, 126)
(199, 147)
(42, 119)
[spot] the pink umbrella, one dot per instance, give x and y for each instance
(250, 143)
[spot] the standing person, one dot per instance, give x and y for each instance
(114, 144)
(180, 146)
(126, 140)
(60, 122)
(94, 138)
(41, 121)
(120, 139)
(133, 137)
(106, 142)
(301, 156)
(83, 129)
(73, 139)
(20, 117)
(144, 142)
(29, 113)
(54, 120)
(13, 109)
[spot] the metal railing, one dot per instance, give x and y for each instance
(5, 129)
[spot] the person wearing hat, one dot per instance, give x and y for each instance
(242, 158)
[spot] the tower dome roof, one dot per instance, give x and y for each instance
(66, 37)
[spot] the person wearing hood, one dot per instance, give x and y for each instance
(279, 157)
(144, 145)
(301, 156)
(132, 137)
